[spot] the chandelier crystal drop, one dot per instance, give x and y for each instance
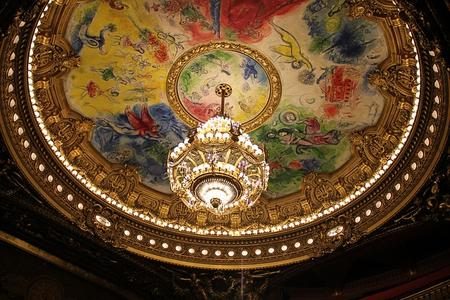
(217, 167)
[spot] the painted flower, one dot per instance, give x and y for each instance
(274, 165)
(295, 165)
(161, 54)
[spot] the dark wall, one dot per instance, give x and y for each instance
(24, 276)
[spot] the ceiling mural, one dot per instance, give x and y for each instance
(347, 98)
(322, 56)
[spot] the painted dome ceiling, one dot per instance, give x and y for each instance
(334, 90)
(131, 86)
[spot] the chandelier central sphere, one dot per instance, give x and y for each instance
(217, 167)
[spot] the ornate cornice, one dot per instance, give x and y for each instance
(437, 291)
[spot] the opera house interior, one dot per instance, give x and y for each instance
(224, 149)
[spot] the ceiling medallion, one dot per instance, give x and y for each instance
(218, 167)
(358, 130)
(193, 73)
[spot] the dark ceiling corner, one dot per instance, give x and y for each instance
(9, 9)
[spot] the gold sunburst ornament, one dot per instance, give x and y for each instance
(218, 167)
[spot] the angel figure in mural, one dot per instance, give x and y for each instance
(156, 122)
(142, 125)
(141, 136)
(291, 50)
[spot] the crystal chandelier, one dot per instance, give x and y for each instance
(217, 167)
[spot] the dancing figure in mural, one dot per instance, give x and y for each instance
(174, 41)
(311, 136)
(148, 41)
(314, 136)
(125, 41)
(291, 50)
(249, 69)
